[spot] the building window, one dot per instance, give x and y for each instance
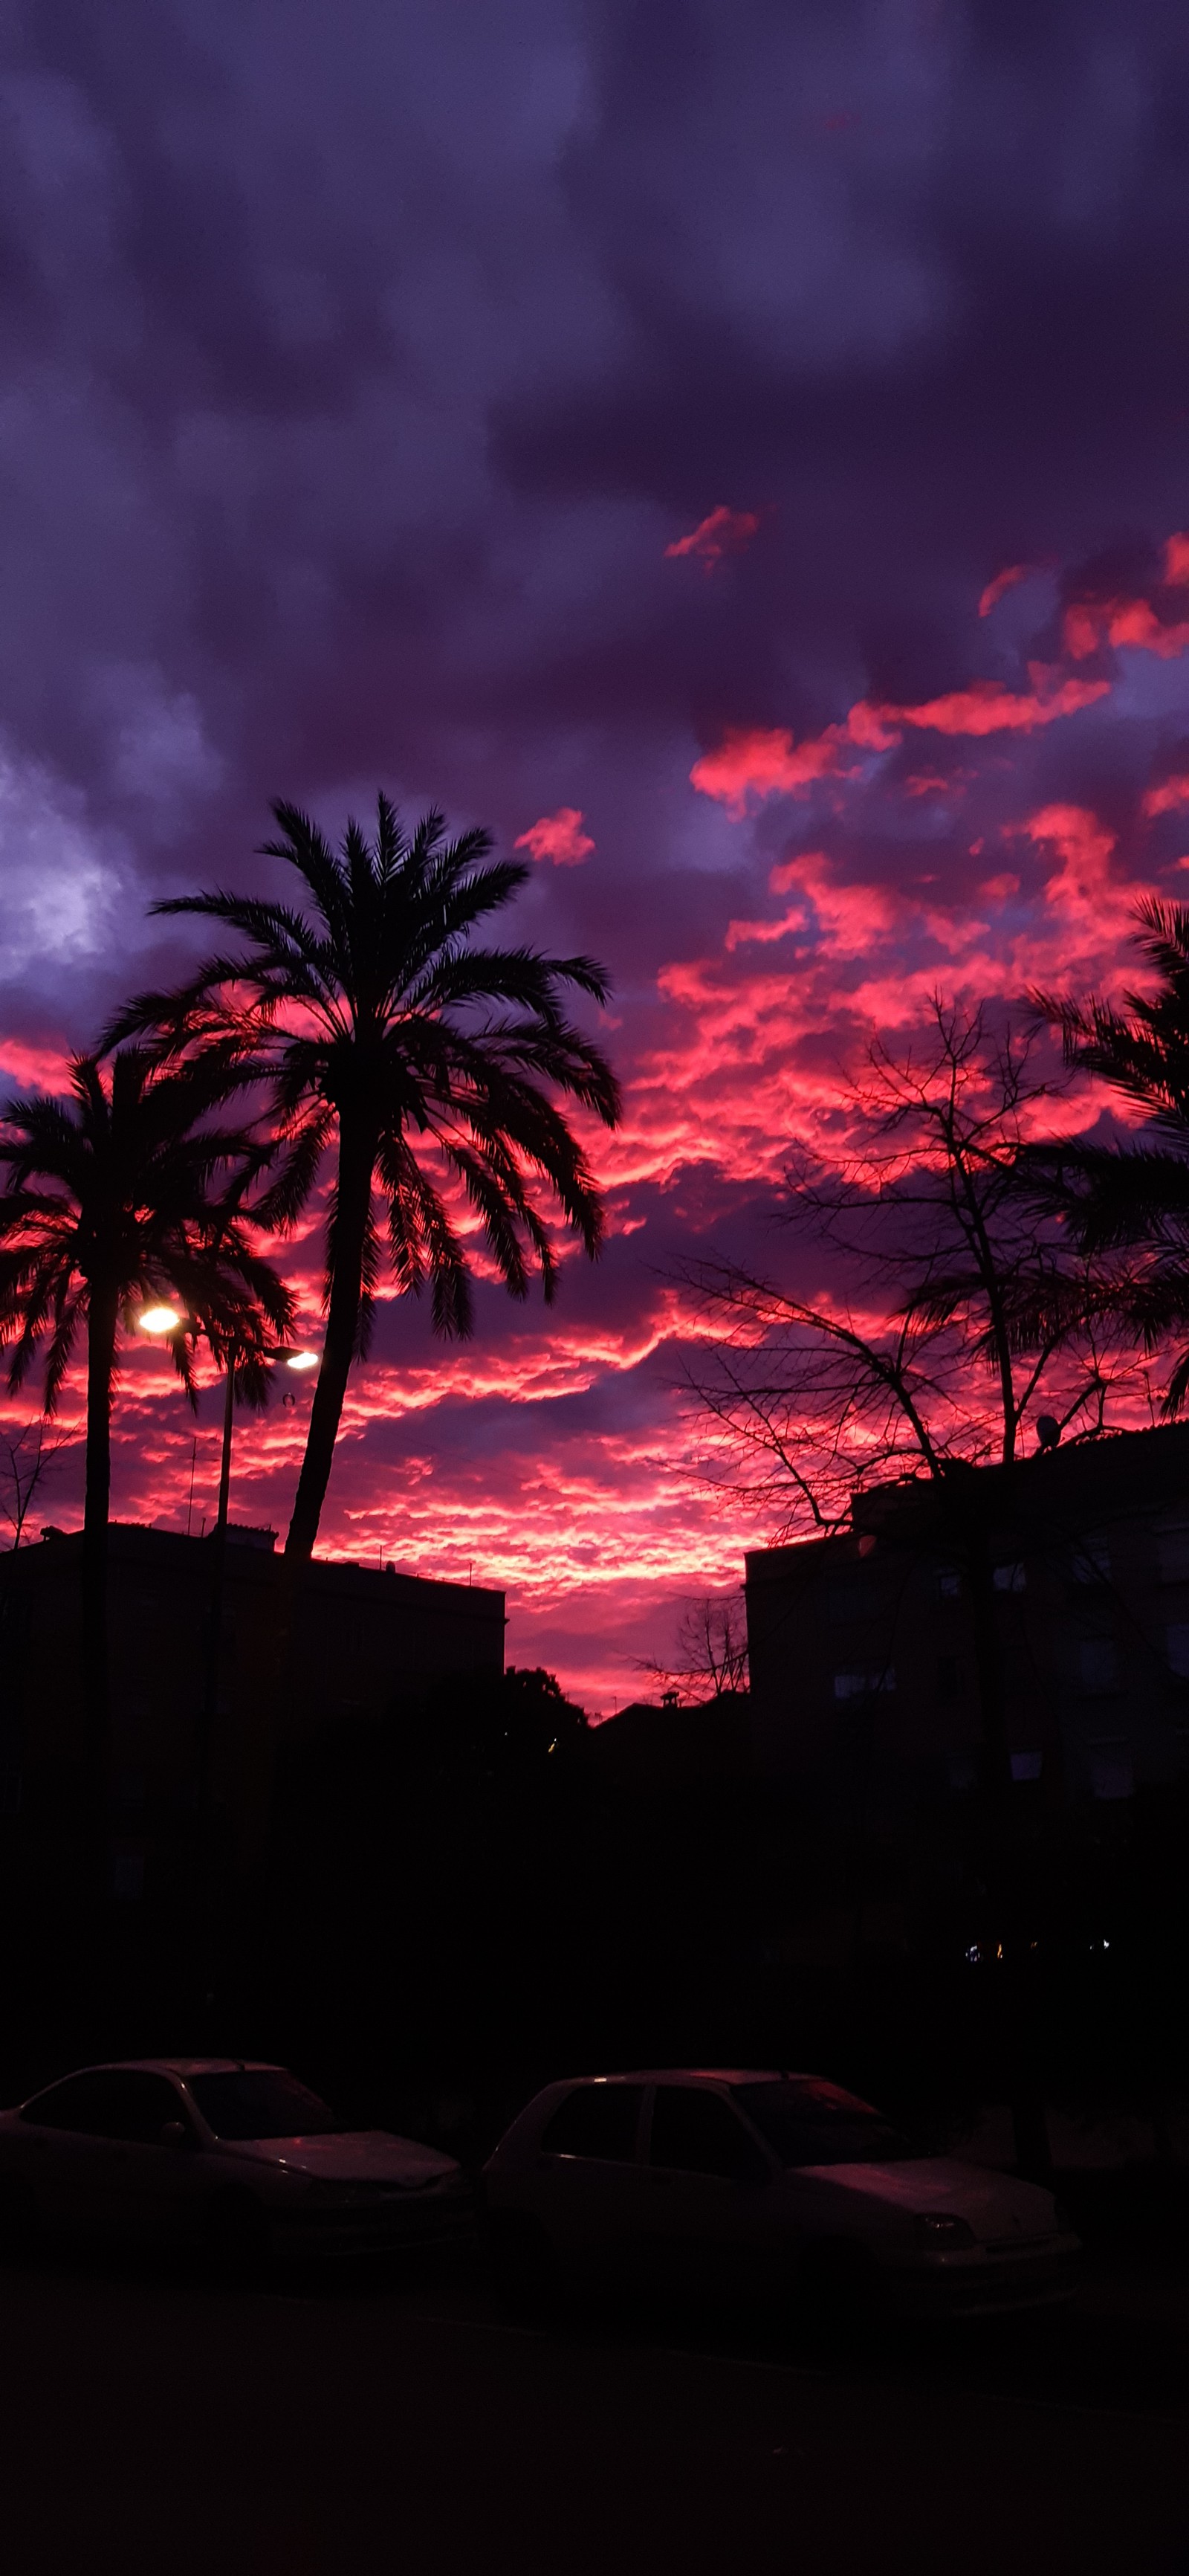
(847, 1598)
(1009, 1578)
(1177, 1641)
(1091, 1561)
(949, 1584)
(126, 1878)
(1100, 1668)
(1025, 1766)
(1111, 1771)
(1172, 1545)
(963, 1771)
(861, 1685)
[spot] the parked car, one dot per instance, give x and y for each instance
(762, 2182)
(236, 2157)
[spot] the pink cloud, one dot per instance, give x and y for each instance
(849, 918)
(1168, 798)
(1091, 623)
(1003, 581)
(999, 889)
(33, 1068)
(739, 933)
(1083, 888)
(765, 761)
(559, 837)
(988, 707)
(724, 532)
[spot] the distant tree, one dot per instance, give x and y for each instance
(1127, 1206)
(126, 1192)
(429, 1066)
(25, 1458)
(948, 1306)
(513, 1727)
(711, 1656)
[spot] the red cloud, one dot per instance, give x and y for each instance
(988, 707)
(1083, 888)
(1004, 581)
(725, 532)
(1171, 794)
(34, 1068)
(998, 889)
(559, 837)
(1091, 623)
(767, 762)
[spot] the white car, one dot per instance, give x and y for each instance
(233, 2156)
(764, 2182)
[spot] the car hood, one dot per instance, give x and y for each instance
(996, 2206)
(354, 2155)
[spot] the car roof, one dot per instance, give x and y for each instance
(181, 2066)
(699, 2075)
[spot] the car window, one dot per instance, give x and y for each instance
(697, 2132)
(598, 2120)
(109, 2102)
(62, 2106)
(807, 2122)
(261, 2102)
(140, 2104)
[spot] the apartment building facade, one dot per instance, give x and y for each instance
(865, 1648)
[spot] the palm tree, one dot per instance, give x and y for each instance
(428, 1064)
(124, 1193)
(1127, 1206)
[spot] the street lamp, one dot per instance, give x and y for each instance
(167, 1320)
(281, 1357)
(158, 1319)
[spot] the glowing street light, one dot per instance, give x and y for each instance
(158, 1319)
(299, 1359)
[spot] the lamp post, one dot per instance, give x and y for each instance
(300, 1361)
(167, 1320)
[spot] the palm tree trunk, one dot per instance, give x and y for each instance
(101, 1353)
(357, 1154)
(357, 1151)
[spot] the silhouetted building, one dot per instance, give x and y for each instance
(362, 1640)
(863, 1646)
(651, 1746)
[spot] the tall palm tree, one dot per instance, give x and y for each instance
(429, 1066)
(1127, 1206)
(126, 1192)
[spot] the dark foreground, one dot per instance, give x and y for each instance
(156, 2421)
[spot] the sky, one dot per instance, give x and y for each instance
(738, 454)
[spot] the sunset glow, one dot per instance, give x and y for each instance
(810, 613)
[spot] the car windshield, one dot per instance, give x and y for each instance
(261, 2102)
(809, 2123)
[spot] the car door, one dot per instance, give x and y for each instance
(153, 2179)
(707, 2183)
(71, 2151)
(588, 2184)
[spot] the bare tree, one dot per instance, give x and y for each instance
(24, 1460)
(711, 1650)
(945, 1307)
